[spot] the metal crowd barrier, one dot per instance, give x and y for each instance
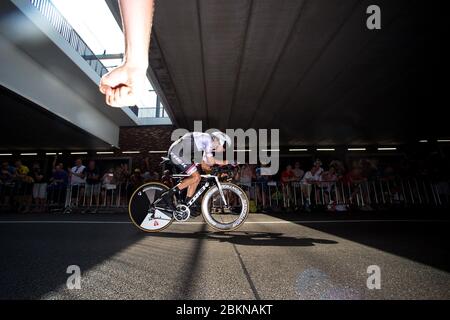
(73, 198)
(339, 195)
(325, 195)
(97, 198)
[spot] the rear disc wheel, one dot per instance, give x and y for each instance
(142, 212)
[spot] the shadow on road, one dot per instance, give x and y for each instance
(249, 238)
(416, 237)
(35, 259)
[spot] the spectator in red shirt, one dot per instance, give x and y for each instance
(355, 180)
(288, 175)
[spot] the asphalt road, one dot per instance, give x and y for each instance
(271, 257)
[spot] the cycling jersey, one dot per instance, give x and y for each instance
(203, 142)
(183, 152)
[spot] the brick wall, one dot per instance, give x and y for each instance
(145, 139)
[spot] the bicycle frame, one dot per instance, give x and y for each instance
(206, 177)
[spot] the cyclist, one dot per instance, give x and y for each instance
(182, 153)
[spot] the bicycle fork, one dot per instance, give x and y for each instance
(206, 185)
(219, 186)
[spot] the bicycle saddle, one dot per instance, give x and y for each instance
(164, 160)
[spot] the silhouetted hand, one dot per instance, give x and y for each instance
(123, 86)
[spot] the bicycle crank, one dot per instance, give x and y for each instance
(182, 213)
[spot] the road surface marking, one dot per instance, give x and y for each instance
(201, 222)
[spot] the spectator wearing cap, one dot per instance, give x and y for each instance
(109, 184)
(108, 180)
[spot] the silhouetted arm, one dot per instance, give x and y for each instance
(124, 85)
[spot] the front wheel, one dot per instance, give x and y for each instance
(223, 217)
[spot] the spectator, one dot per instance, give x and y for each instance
(262, 178)
(354, 176)
(136, 179)
(298, 172)
(154, 176)
(77, 180)
(109, 185)
(236, 175)
(6, 182)
(245, 178)
(354, 179)
(318, 166)
(310, 179)
(146, 177)
(122, 178)
(150, 176)
(23, 189)
(78, 173)
(121, 173)
(328, 184)
(145, 170)
(39, 188)
(21, 170)
(58, 184)
(329, 176)
(287, 176)
(92, 174)
(7, 172)
(388, 173)
(108, 179)
(339, 167)
(369, 169)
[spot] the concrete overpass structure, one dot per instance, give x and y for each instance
(311, 68)
(49, 89)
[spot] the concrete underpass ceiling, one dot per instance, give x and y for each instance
(309, 67)
(25, 126)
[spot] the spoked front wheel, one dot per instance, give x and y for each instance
(141, 209)
(227, 217)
